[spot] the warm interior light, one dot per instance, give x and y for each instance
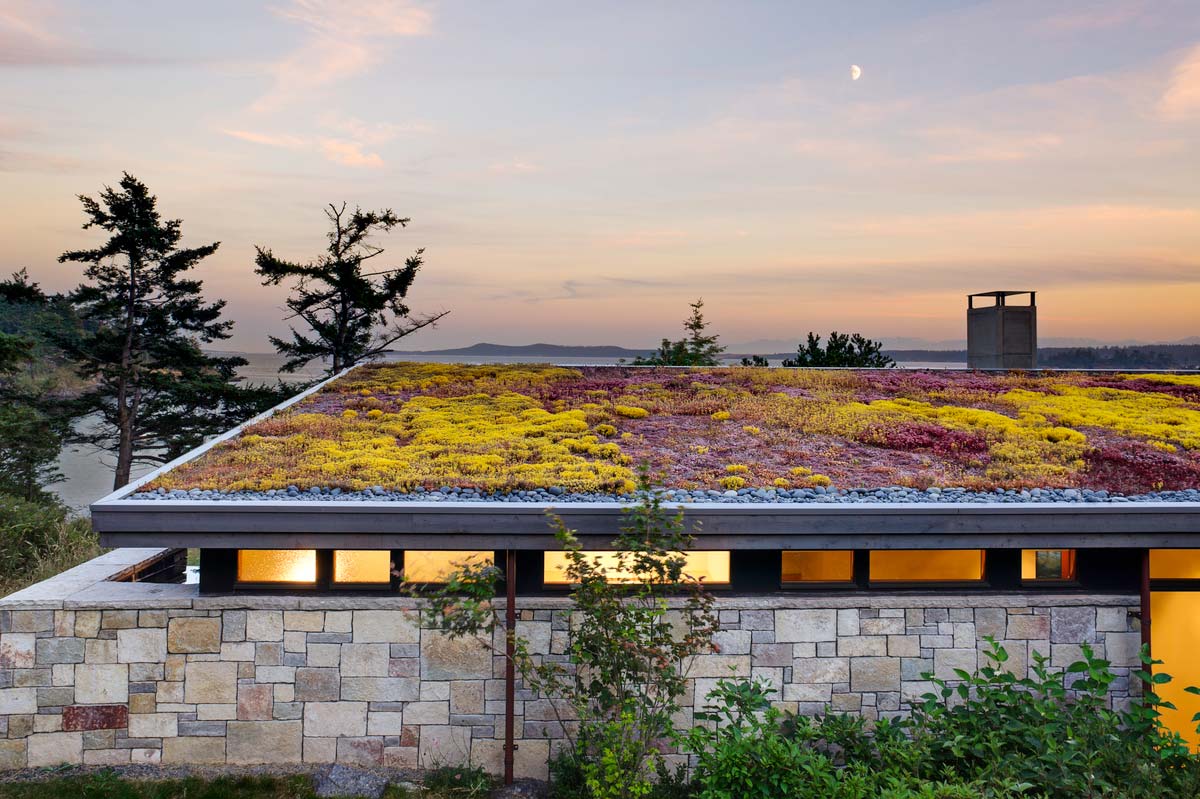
(277, 565)
(362, 566)
(1175, 564)
(818, 566)
(927, 565)
(712, 567)
(1047, 564)
(1176, 628)
(435, 565)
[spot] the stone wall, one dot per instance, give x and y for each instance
(125, 672)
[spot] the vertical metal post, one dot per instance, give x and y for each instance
(510, 671)
(1145, 596)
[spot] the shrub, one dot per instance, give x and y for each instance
(458, 782)
(38, 539)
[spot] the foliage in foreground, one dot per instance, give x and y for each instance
(39, 540)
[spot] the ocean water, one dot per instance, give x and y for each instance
(89, 474)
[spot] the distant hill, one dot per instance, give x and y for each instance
(535, 350)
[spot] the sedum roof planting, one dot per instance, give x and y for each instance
(501, 429)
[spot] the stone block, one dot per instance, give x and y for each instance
(945, 661)
(143, 703)
(1028, 626)
(339, 621)
(364, 660)
(105, 757)
(806, 692)
(385, 626)
(444, 746)
(47, 722)
(720, 666)
(771, 655)
(381, 689)
(991, 622)
(12, 754)
(821, 670)
(320, 750)
(152, 725)
(847, 622)
(284, 692)
(273, 673)
(862, 645)
(233, 625)
(904, 646)
(207, 750)
(427, 713)
(309, 621)
(212, 682)
(216, 712)
(58, 650)
(295, 641)
(330, 655)
(447, 658)
(1123, 649)
(317, 685)
(882, 626)
(249, 742)
(102, 684)
(152, 618)
(732, 642)
(360, 751)
(466, 696)
(333, 719)
(255, 702)
(142, 645)
(95, 717)
(99, 650)
(1072, 625)
(55, 748)
(169, 693)
(1112, 620)
(805, 625)
(31, 621)
(118, 619)
(237, 650)
(17, 650)
(145, 756)
(874, 674)
(264, 625)
(385, 723)
(18, 700)
(87, 623)
(194, 634)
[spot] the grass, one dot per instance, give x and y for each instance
(107, 785)
(39, 541)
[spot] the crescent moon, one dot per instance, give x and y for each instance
(855, 72)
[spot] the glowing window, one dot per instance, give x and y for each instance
(1176, 628)
(927, 565)
(277, 565)
(435, 565)
(1047, 564)
(818, 566)
(712, 567)
(362, 566)
(1175, 564)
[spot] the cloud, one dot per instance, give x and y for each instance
(282, 140)
(515, 167)
(36, 34)
(342, 38)
(1182, 97)
(349, 153)
(963, 145)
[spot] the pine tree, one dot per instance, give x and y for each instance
(353, 314)
(842, 349)
(696, 349)
(153, 390)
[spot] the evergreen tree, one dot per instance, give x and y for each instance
(153, 390)
(696, 349)
(842, 349)
(32, 427)
(353, 314)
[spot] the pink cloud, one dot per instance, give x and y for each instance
(349, 153)
(1182, 97)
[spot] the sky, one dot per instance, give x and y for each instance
(579, 172)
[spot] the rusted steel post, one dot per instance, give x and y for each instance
(510, 670)
(1145, 592)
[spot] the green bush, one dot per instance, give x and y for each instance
(458, 782)
(990, 735)
(38, 540)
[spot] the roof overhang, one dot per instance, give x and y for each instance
(506, 525)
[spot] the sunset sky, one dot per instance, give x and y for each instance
(579, 172)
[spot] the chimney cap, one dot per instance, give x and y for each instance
(998, 293)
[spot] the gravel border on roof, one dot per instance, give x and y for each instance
(819, 495)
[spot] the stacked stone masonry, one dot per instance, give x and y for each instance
(243, 680)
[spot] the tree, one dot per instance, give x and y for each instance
(153, 390)
(631, 643)
(842, 349)
(353, 314)
(696, 349)
(31, 429)
(755, 360)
